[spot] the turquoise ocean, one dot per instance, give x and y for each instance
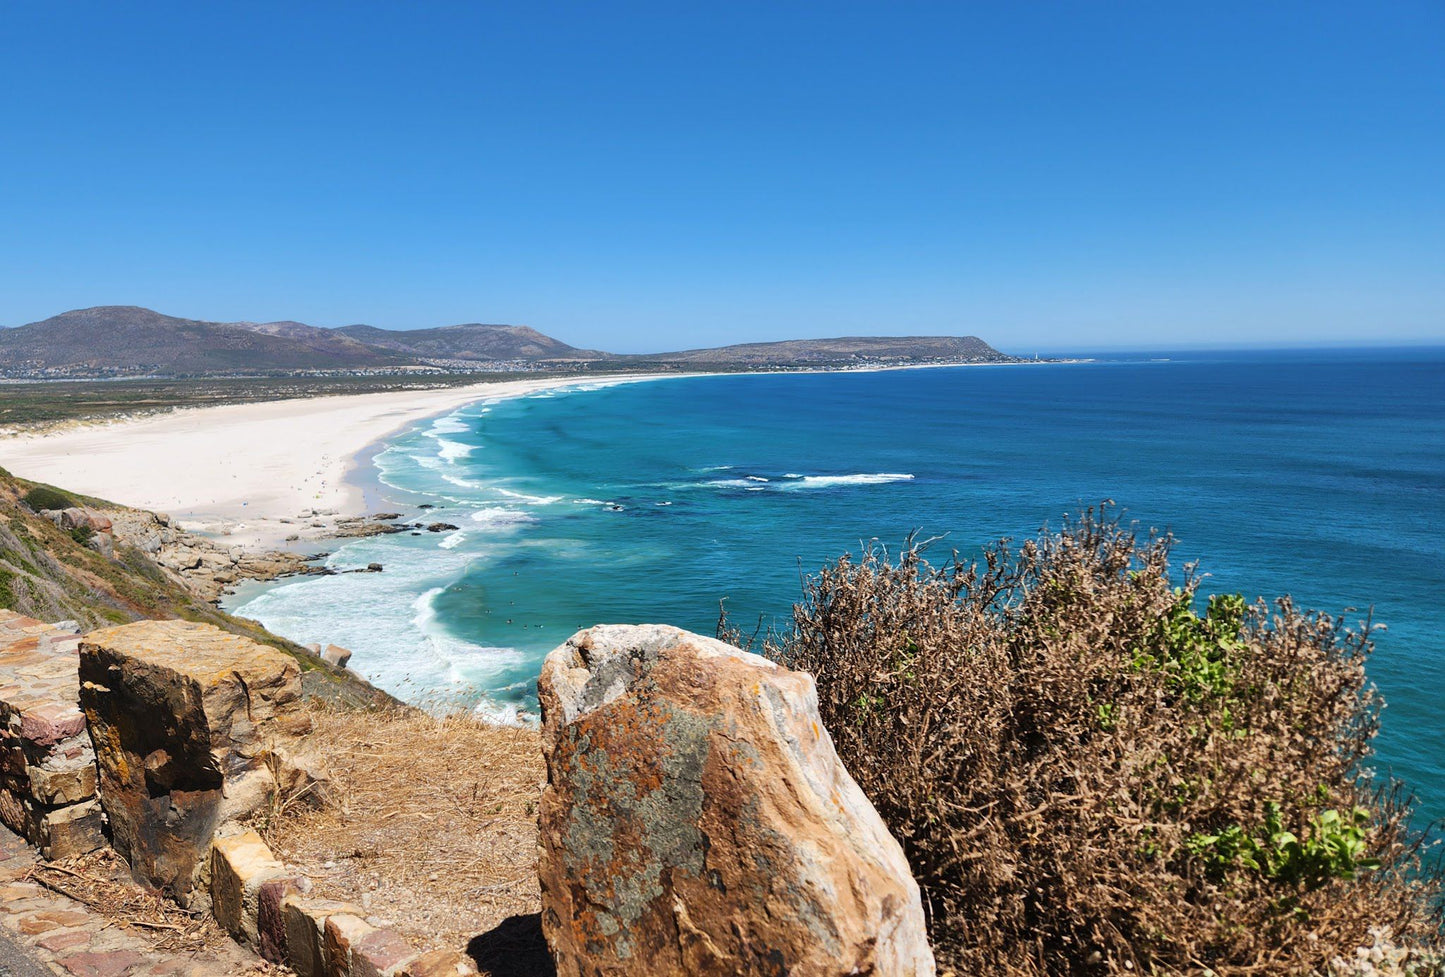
(1315, 473)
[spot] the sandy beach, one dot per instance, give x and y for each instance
(237, 470)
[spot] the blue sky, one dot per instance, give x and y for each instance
(648, 176)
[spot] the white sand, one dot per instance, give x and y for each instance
(237, 470)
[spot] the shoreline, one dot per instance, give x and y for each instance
(253, 474)
(276, 474)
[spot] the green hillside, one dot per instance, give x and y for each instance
(53, 575)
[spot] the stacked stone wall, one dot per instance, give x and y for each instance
(47, 765)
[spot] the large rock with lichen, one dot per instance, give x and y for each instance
(194, 728)
(697, 820)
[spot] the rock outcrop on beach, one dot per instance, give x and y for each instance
(76, 517)
(697, 820)
(349, 527)
(205, 567)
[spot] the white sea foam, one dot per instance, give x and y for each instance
(793, 482)
(590, 502)
(453, 540)
(496, 516)
(451, 424)
(452, 451)
(386, 619)
(504, 713)
(828, 481)
(425, 607)
(460, 662)
(532, 499)
(465, 483)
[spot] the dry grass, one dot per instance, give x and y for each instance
(429, 824)
(101, 880)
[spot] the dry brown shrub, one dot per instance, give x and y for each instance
(1077, 766)
(429, 822)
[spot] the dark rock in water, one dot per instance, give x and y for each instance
(697, 820)
(367, 527)
(440, 527)
(387, 515)
(426, 505)
(373, 568)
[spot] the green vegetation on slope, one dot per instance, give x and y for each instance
(53, 575)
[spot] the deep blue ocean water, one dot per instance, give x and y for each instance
(1319, 473)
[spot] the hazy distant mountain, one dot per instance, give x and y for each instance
(472, 341)
(128, 339)
(489, 342)
(325, 342)
(820, 352)
(115, 340)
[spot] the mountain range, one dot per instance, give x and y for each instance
(132, 341)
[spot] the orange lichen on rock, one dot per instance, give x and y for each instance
(697, 820)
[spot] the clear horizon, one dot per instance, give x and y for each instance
(644, 177)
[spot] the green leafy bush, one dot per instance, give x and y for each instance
(1088, 776)
(43, 497)
(1334, 846)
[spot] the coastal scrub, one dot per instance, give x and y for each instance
(1091, 773)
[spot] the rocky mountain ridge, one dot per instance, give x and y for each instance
(129, 341)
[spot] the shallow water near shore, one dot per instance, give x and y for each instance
(1316, 473)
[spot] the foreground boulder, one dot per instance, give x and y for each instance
(194, 728)
(697, 820)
